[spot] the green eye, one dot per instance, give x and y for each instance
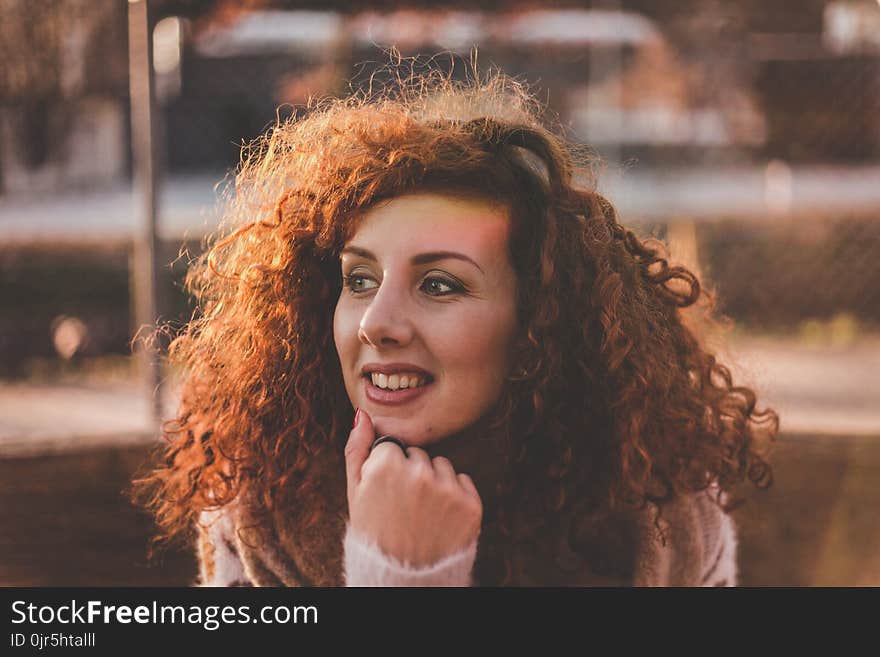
(439, 287)
(357, 283)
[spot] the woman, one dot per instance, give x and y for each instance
(425, 269)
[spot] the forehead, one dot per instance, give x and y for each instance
(434, 222)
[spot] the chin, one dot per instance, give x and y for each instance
(410, 431)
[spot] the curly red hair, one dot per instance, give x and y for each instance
(615, 397)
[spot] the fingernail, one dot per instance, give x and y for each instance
(357, 416)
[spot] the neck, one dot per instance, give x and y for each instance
(479, 452)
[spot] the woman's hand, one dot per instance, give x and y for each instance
(416, 509)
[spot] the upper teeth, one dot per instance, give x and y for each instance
(396, 381)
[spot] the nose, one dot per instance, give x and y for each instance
(387, 320)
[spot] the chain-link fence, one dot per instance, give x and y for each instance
(785, 228)
(790, 275)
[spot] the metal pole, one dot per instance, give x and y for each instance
(146, 187)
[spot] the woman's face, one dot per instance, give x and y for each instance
(428, 300)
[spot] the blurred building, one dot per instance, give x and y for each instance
(235, 77)
(661, 83)
(609, 77)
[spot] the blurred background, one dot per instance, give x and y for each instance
(743, 133)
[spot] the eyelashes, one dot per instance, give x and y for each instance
(435, 286)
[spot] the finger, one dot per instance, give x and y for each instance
(388, 450)
(357, 449)
(419, 458)
(443, 468)
(468, 484)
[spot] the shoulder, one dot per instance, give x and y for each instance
(697, 548)
(218, 550)
(719, 542)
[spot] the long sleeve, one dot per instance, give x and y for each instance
(221, 564)
(366, 565)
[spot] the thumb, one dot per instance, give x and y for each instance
(357, 449)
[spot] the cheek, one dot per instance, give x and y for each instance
(344, 333)
(478, 347)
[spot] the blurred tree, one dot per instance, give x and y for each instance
(59, 49)
(53, 53)
(27, 71)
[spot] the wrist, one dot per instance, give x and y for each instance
(366, 564)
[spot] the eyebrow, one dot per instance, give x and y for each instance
(420, 259)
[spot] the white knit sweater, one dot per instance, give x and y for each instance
(708, 557)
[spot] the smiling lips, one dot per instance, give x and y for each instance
(387, 394)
